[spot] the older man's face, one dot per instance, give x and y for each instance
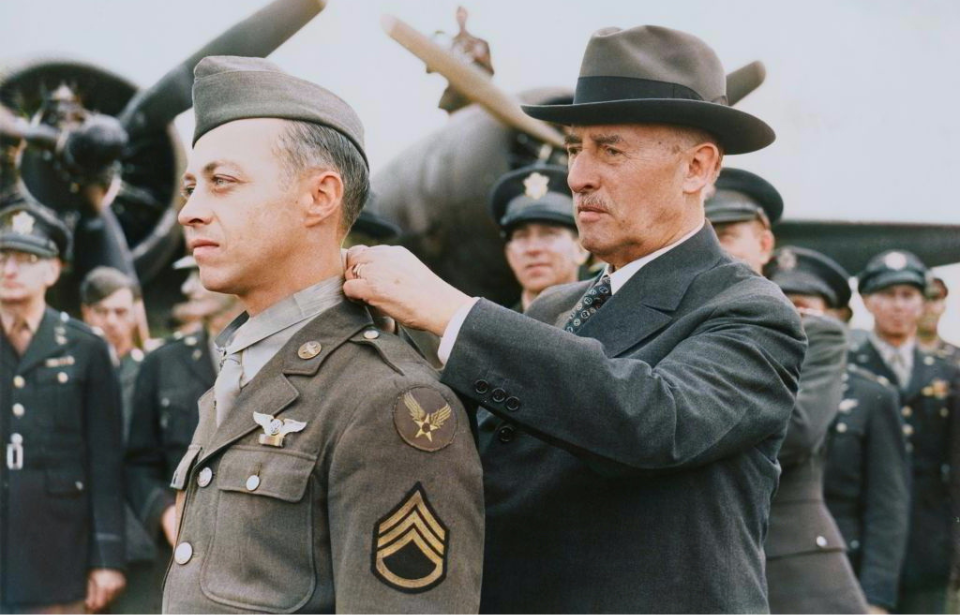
(25, 277)
(241, 222)
(628, 188)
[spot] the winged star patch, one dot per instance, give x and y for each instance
(411, 544)
(424, 419)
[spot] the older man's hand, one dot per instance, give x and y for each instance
(394, 281)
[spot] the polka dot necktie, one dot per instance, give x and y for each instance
(589, 304)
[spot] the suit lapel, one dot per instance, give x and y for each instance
(645, 304)
(920, 374)
(198, 360)
(271, 392)
(877, 365)
(44, 343)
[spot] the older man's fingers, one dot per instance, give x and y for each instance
(357, 289)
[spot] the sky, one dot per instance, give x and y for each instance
(862, 94)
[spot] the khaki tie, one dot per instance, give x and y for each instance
(227, 386)
(20, 336)
(898, 364)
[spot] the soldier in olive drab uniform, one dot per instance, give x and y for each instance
(534, 210)
(330, 469)
(807, 570)
(866, 473)
(893, 284)
(172, 380)
(61, 500)
(928, 334)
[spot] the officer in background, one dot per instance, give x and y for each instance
(928, 335)
(807, 569)
(173, 378)
(866, 474)
(534, 210)
(893, 286)
(61, 500)
(330, 469)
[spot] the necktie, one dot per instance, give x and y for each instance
(589, 304)
(20, 336)
(227, 386)
(898, 364)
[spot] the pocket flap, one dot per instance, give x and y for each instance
(66, 481)
(183, 469)
(279, 474)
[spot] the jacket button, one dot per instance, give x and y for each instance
(908, 430)
(944, 412)
(821, 542)
(513, 404)
(19, 410)
(498, 395)
(506, 433)
(253, 481)
(183, 553)
(204, 477)
(62, 377)
(481, 386)
(841, 427)
(906, 411)
(19, 382)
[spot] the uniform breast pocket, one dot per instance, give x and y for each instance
(61, 388)
(179, 416)
(261, 556)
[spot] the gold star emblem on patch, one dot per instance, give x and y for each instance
(23, 223)
(411, 545)
(895, 260)
(787, 260)
(536, 185)
(424, 419)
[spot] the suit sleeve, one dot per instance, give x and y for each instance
(886, 506)
(820, 392)
(147, 474)
(725, 388)
(104, 431)
(406, 525)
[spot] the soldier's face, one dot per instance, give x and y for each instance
(115, 316)
(635, 187)
(749, 241)
(543, 255)
(932, 312)
(896, 310)
(241, 218)
(26, 277)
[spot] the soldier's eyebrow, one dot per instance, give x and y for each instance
(603, 139)
(210, 167)
(572, 139)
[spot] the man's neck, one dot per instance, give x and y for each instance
(668, 240)
(290, 282)
(29, 311)
(928, 339)
(527, 297)
(895, 340)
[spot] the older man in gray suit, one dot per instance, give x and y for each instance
(632, 453)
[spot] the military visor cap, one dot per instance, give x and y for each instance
(741, 196)
(537, 193)
(651, 74)
(229, 88)
(892, 268)
(807, 272)
(34, 229)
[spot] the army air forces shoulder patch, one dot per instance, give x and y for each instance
(424, 419)
(410, 545)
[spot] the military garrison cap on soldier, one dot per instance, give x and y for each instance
(891, 268)
(537, 193)
(807, 272)
(741, 196)
(33, 228)
(229, 88)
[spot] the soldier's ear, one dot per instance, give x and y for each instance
(51, 272)
(321, 196)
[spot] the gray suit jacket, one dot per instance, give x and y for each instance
(631, 468)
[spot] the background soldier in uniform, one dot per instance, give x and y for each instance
(893, 286)
(807, 571)
(534, 210)
(928, 334)
(61, 503)
(866, 471)
(330, 469)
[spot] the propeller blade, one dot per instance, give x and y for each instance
(470, 81)
(39, 135)
(256, 36)
(745, 80)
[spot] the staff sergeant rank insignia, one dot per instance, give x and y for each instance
(411, 545)
(424, 419)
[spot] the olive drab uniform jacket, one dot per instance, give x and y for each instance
(930, 410)
(867, 483)
(345, 478)
(61, 501)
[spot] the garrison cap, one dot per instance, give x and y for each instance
(537, 193)
(229, 88)
(741, 196)
(32, 228)
(808, 272)
(891, 268)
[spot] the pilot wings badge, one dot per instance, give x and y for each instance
(424, 419)
(274, 430)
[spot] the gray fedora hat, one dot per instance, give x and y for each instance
(656, 75)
